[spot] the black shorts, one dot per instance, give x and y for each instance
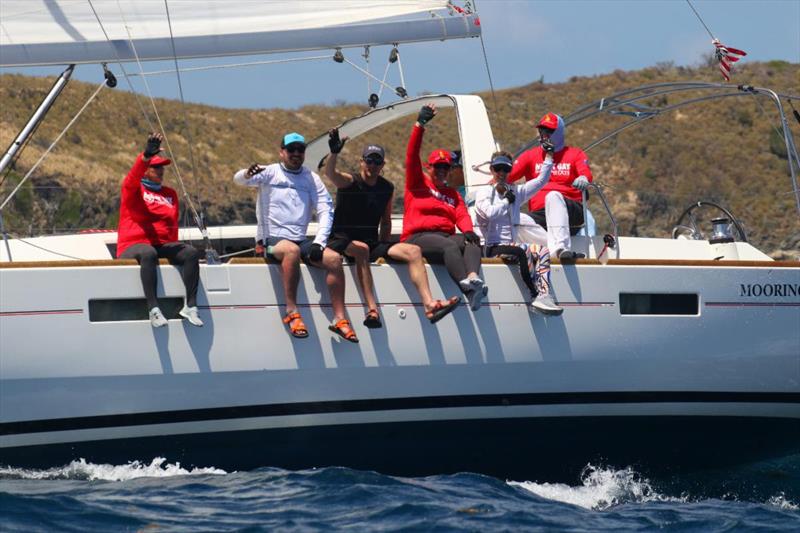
(377, 249)
(574, 212)
(305, 247)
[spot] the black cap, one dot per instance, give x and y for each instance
(373, 149)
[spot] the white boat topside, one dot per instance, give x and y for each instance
(93, 246)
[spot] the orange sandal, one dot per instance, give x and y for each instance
(296, 326)
(343, 329)
(442, 308)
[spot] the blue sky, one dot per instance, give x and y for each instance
(525, 40)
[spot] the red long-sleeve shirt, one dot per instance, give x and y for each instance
(145, 216)
(568, 164)
(427, 206)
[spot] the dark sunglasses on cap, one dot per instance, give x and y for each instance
(501, 168)
(441, 166)
(295, 148)
(377, 161)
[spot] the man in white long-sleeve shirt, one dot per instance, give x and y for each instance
(288, 193)
(497, 210)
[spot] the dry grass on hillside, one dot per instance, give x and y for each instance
(725, 151)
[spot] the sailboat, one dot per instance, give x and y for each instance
(677, 353)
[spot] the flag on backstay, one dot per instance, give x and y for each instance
(726, 56)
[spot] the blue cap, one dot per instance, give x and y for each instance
(293, 137)
(502, 160)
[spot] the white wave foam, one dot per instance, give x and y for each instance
(82, 470)
(601, 488)
(780, 501)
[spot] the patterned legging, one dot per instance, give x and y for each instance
(533, 261)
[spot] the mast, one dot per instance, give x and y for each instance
(36, 117)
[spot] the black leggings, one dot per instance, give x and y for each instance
(522, 260)
(178, 253)
(459, 257)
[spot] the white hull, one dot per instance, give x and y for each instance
(737, 357)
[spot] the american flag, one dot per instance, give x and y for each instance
(726, 57)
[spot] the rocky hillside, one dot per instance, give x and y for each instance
(726, 151)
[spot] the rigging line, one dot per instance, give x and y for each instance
(233, 65)
(489, 74)
(383, 83)
(701, 20)
(185, 115)
(119, 62)
(17, 238)
(52, 145)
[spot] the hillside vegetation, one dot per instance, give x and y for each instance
(727, 151)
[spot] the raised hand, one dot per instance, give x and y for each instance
(334, 142)
(253, 170)
(153, 145)
(548, 146)
(426, 114)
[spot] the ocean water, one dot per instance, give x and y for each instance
(167, 497)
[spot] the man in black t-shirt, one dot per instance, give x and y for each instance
(362, 225)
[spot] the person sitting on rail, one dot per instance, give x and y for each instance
(433, 211)
(148, 230)
(497, 210)
(363, 204)
(558, 207)
(288, 192)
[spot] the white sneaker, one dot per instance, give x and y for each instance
(157, 319)
(190, 314)
(569, 255)
(545, 305)
(477, 294)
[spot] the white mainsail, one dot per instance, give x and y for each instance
(57, 32)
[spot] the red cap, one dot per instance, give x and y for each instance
(548, 121)
(440, 156)
(158, 161)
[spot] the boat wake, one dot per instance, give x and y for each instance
(81, 470)
(601, 488)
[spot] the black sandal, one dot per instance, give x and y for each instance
(373, 320)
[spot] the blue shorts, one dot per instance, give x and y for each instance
(305, 247)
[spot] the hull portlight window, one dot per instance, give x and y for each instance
(116, 310)
(658, 304)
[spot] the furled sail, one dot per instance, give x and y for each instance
(56, 32)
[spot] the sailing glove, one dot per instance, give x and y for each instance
(334, 142)
(153, 145)
(253, 170)
(510, 196)
(315, 253)
(581, 183)
(472, 237)
(425, 115)
(548, 146)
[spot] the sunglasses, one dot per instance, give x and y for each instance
(441, 166)
(376, 161)
(295, 149)
(501, 168)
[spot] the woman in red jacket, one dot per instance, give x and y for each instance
(433, 211)
(148, 230)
